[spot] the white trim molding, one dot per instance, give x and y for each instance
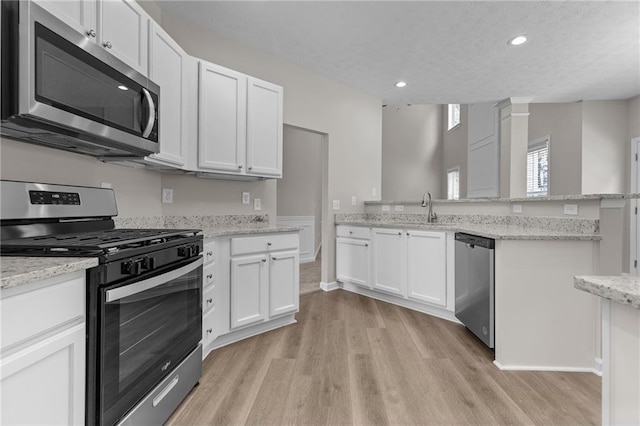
(329, 286)
(547, 368)
(633, 204)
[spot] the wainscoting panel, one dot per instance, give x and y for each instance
(307, 234)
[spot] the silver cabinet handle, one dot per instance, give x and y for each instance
(209, 300)
(399, 233)
(240, 167)
(250, 168)
(274, 258)
(210, 276)
(264, 260)
(152, 113)
(366, 245)
(108, 45)
(91, 33)
(209, 330)
(350, 232)
(408, 234)
(269, 244)
(209, 253)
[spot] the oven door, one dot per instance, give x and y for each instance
(147, 327)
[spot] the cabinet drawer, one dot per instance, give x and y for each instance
(209, 252)
(28, 314)
(246, 245)
(209, 275)
(209, 332)
(353, 232)
(208, 299)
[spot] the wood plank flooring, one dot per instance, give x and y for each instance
(355, 360)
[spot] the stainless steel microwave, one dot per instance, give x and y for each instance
(62, 90)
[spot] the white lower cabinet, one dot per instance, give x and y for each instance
(249, 290)
(42, 367)
(388, 261)
(409, 265)
(256, 287)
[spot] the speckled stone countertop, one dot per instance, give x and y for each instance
(498, 232)
(575, 197)
(23, 270)
(224, 231)
(623, 289)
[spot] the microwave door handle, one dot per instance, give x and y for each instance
(152, 113)
(140, 286)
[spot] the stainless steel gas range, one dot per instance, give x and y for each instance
(144, 316)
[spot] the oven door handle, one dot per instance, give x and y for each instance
(139, 287)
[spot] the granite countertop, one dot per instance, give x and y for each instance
(624, 289)
(573, 197)
(212, 232)
(498, 232)
(16, 271)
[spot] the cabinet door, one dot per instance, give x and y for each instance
(426, 267)
(167, 69)
(249, 290)
(284, 283)
(44, 383)
(388, 264)
(222, 119)
(264, 128)
(78, 14)
(123, 32)
(353, 261)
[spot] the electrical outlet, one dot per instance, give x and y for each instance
(398, 208)
(167, 195)
(571, 209)
(385, 208)
(517, 208)
(106, 185)
(374, 191)
(257, 204)
(353, 200)
(245, 197)
(336, 204)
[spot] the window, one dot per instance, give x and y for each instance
(453, 183)
(454, 116)
(538, 167)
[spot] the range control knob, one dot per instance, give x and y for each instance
(132, 267)
(148, 263)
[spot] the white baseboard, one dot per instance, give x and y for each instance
(244, 333)
(329, 286)
(546, 368)
(598, 366)
(405, 303)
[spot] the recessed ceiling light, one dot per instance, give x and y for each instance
(401, 84)
(517, 40)
(123, 87)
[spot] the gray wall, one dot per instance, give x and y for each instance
(454, 148)
(563, 122)
(300, 189)
(411, 152)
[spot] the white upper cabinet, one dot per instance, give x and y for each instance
(123, 31)
(222, 119)
(240, 124)
(120, 26)
(168, 68)
(264, 128)
(78, 14)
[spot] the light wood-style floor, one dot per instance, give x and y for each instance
(310, 275)
(356, 360)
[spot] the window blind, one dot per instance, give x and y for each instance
(538, 169)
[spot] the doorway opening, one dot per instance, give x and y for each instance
(300, 200)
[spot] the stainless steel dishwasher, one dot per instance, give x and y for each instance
(475, 285)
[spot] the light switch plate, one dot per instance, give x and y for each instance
(257, 204)
(374, 192)
(106, 185)
(385, 208)
(353, 200)
(398, 208)
(571, 209)
(245, 198)
(336, 204)
(167, 196)
(517, 208)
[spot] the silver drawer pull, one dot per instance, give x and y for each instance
(91, 33)
(209, 276)
(209, 330)
(264, 260)
(209, 253)
(209, 300)
(366, 245)
(108, 45)
(158, 399)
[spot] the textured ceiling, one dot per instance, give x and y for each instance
(448, 52)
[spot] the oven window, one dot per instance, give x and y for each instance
(145, 335)
(70, 79)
